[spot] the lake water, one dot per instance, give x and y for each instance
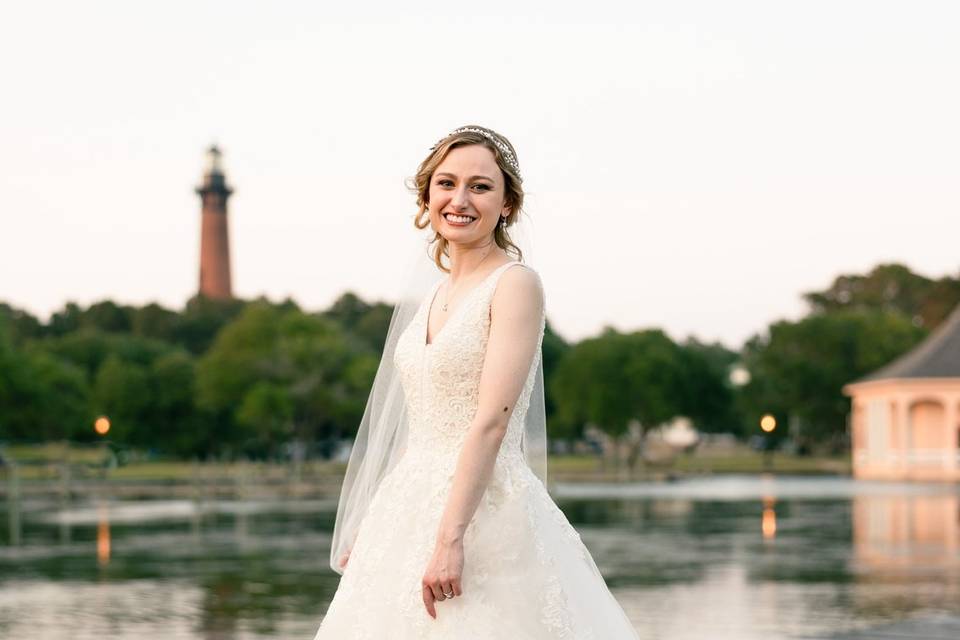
(727, 557)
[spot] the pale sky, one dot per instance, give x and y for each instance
(693, 166)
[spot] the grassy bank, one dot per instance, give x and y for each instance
(588, 468)
(47, 463)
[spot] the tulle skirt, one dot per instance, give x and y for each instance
(526, 576)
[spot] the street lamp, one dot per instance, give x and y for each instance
(768, 423)
(102, 425)
(739, 375)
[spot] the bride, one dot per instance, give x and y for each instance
(445, 528)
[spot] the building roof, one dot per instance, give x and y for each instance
(936, 357)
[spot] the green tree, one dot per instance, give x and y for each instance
(66, 320)
(201, 321)
(157, 322)
(88, 348)
(707, 396)
(21, 325)
(369, 322)
(41, 397)
(122, 392)
(617, 378)
(890, 287)
(799, 368)
(553, 349)
(108, 316)
(62, 399)
(178, 426)
(267, 413)
(299, 363)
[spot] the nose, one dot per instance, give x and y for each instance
(459, 200)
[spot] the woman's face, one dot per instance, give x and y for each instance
(467, 183)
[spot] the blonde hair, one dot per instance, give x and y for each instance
(513, 198)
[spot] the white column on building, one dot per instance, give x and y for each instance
(906, 439)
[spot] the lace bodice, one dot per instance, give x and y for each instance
(441, 380)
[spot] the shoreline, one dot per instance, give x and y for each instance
(321, 479)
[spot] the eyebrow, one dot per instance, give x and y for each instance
(450, 175)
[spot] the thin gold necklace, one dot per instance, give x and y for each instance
(446, 290)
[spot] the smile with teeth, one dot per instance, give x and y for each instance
(457, 219)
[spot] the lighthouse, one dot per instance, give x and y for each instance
(214, 238)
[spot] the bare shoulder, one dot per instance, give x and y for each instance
(519, 289)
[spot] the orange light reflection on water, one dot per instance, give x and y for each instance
(103, 535)
(768, 522)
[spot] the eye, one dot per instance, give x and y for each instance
(482, 187)
(443, 182)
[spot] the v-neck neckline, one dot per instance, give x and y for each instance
(433, 298)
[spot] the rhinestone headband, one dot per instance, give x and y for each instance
(498, 143)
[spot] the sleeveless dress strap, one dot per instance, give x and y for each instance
(494, 276)
(493, 279)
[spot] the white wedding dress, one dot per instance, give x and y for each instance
(526, 574)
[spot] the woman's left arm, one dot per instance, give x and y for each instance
(515, 316)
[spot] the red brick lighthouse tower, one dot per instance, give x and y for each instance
(214, 239)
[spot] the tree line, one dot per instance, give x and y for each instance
(250, 377)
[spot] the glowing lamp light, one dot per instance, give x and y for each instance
(768, 423)
(102, 425)
(739, 376)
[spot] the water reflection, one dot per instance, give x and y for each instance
(736, 557)
(103, 535)
(892, 532)
(768, 524)
(906, 554)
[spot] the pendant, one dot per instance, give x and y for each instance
(444, 307)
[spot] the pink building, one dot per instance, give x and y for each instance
(905, 422)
